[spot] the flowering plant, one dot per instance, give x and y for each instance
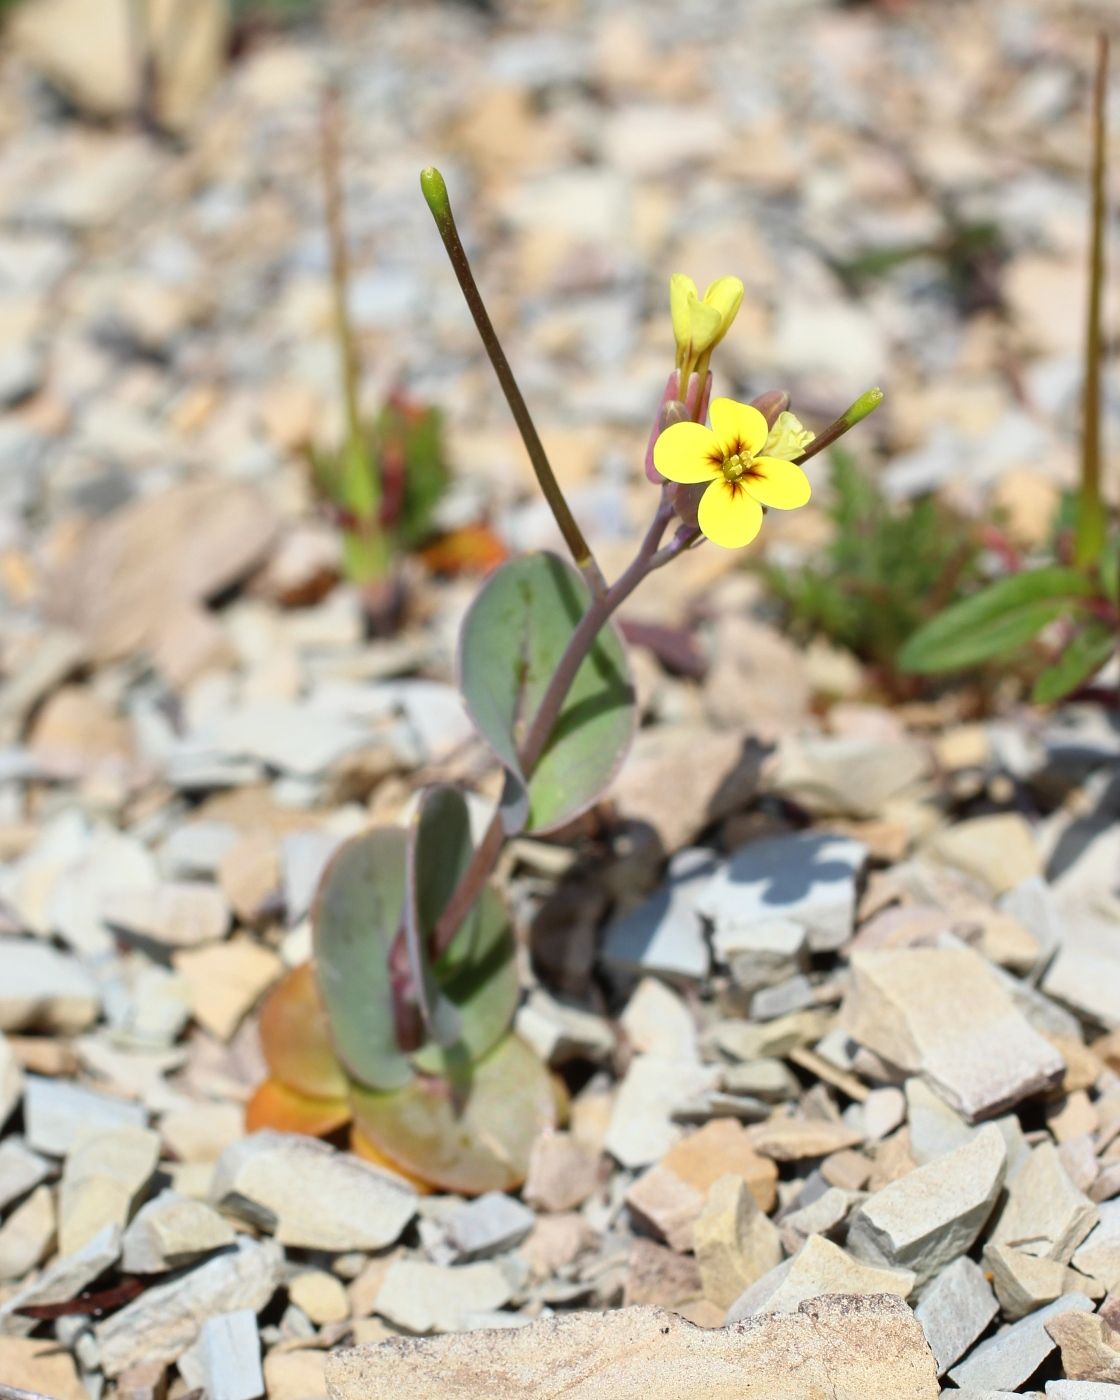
(402, 1027)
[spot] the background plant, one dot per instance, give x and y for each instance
(883, 572)
(1067, 606)
(385, 480)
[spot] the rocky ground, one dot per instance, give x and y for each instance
(835, 986)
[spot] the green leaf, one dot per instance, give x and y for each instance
(470, 1134)
(470, 996)
(511, 641)
(1109, 569)
(355, 920)
(1082, 658)
(996, 622)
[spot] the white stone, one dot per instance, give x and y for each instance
(173, 914)
(1099, 1255)
(57, 1114)
(818, 1269)
(807, 879)
(657, 1022)
(11, 1081)
(422, 1297)
(20, 1170)
(956, 1308)
(641, 1129)
(488, 1225)
(164, 1321)
(309, 1195)
(225, 1362)
(171, 1231)
(664, 935)
(935, 1213)
(41, 988)
(1045, 1214)
(1014, 1354)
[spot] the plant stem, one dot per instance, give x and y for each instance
(648, 558)
(1091, 524)
(331, 157)
(435, 193)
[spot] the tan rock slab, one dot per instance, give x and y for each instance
(795, 1138)
(735, 1242)
(999, 851)
(1024, 1283)
(421, 1297)
(942, 1014)
(842, 1348)
(226, 980)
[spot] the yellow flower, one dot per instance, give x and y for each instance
(746, 463)
(699, 326)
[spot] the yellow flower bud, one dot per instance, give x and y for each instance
(700, 324)
(788, 438)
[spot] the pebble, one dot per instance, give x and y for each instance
(26, 1363)
(1009, 1359)
(1099, 1254)
(560, 1033)
(310, 1196)
(11, 1081)
(1090, 1347)
(735, 1242)
(420, 1297)
(935, 1213)
(20, 1170)
(103, 1177)
(225, 1361)
(488, 1225)
(1024, 1282)
(641, 1129)
(320, 1295)
(164, 1321)
(562, 1173)
(818, 1269)
(26, 1235)
(43, 989)
(171, 1231)
(955, 1309)
(58, 1114)
(805, 879)
(225, 980)
(664, 935)
(173, 915)
(657, 1022)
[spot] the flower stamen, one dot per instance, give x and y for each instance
(735, 466)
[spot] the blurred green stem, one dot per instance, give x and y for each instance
(1091, 524)
(435, 193)
(363, 495)
(853, 414)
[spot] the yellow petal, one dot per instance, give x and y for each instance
(687, 452)
(728, 515)
(737, 426)
(788, 437)
(682, 293)
(726, 295)
(777, 483)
